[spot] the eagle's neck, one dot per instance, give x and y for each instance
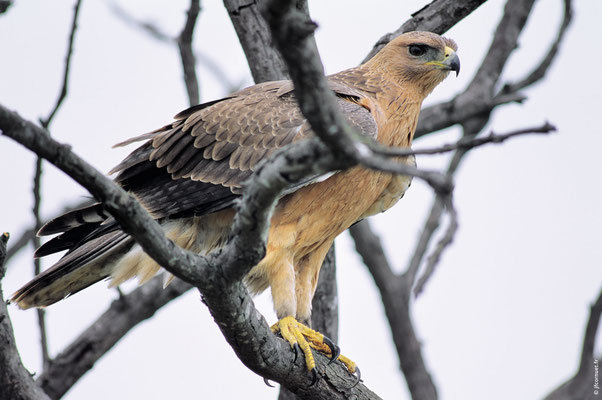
(394, 104)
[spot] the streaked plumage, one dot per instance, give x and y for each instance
(189, 173)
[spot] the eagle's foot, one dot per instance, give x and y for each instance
(302, 338)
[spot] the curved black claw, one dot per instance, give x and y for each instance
(358, 375)
(314, 376)
(297, 350)
(267, 382)
(334, 349)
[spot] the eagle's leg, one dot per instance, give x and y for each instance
(294, 325)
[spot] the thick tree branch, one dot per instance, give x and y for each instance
(438, 17)
(265, 62)
(325, 303)
(369, 247)
(446, 114)
(581, 385)
(15, 381)
(5, 5)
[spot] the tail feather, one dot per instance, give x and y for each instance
(66, 241)
(85, 265)
(93, 214)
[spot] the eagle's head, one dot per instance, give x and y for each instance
(421, 59)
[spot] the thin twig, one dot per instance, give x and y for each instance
(63, 93)
(540, 71)
(152, 29)
(158, 34)
(37, 181)
(186, 54)
(21, 242)
(40, 312)
(465, 143)
(433, 259)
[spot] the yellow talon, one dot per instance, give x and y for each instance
(351, 366)
(297, 334)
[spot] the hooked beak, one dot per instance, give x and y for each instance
(451, 61)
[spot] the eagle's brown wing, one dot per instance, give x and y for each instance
(194, 166)
(199, 164)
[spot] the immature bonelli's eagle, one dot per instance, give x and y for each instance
(189, 174)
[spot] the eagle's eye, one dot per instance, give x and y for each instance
(416, 50)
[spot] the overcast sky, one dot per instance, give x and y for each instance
(504, 315)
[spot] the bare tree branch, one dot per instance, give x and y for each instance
(434, 258)
(37, 180)
(438, 17)
(40, 312)
(156, 33)
(5, 5)
(15, 381)
(540, 71)
(250, 28)
(325, 315)
(265, 62)
(153, 30)
(63, 93)
(369, 247)
(446, 114)
(465, 143)
(21, 242)
(187, 55)
(581, 385)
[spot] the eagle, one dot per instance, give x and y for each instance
(190, 173)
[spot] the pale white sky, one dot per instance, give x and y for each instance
(503, 316)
